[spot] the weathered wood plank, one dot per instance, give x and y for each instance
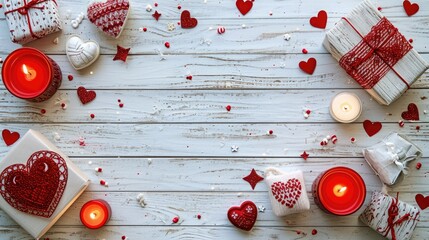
(201, 106)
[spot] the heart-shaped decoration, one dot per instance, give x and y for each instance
(244, 216)
(422, 201)
(35, 188)
(85, 96)
(186, 21)
(244, 6)
(287, 193)
(309, 66)
(81, 54)
(410, 8)
(412, 113)
(372, 128)
(109, 16)
(9, 137)
(320, 21)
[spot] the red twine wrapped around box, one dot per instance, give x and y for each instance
(24, 11)
(370, 60)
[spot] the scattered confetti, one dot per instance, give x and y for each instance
(156, 4)
(124, 237)
(412, 113)
(82, 142)
(228, 108)
(141, 200)
(320, 21)
(261, 208)
(121, 53)
(167, 44)
(85, 96)
(334, 139)
(171, 26)
(199, 216)
(305, 155)
(314, 232)
(221, 30)
(55, 41)
(103, 183)
(270, 132)
(308, 66)
(372, 128)
(63, 106)
(286, 37)
(352, 140)
(186, 21)
(244, 6)
(410, 8)
(410, 40)
(121, 105)
(156, 15)
(401, 123)
(179, 7)
(379, 8)
(43, 111)
(10, 137)
(175, 220)
(253, 178)
(98, 169)
(70, 77)
(304, 51)
(234, 148)
(148, 8)
(418, 128)
(418, 165)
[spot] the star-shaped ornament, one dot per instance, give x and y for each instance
(253, 178)
(305, 155)
(121, 53)
(234, 148)
(156, 15)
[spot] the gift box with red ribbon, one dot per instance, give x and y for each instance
(375, 54)
(392, 218)
(29, 20)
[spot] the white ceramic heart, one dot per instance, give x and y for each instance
(81, 53)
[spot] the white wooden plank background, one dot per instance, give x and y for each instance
(171, 140)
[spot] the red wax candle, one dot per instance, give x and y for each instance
(95, 213)
(340, 191)
(31, 75)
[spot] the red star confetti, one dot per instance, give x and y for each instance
(305, 155)
(253, 178)
(156, 15)
(121, 53)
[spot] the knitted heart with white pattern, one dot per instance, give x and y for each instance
(287, 193)
(110, 16)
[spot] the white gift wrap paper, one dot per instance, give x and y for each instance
(390, 157)
(77, 182)
(381, 207)
(342, 38)
(286, 191)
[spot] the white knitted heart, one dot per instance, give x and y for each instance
(81, 54)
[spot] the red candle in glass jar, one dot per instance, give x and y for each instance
(340, 191)
(31, 75)
(95, 213)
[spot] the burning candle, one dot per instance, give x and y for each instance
(31, 75)
(95, 213)
(340, 191)
(346, 107)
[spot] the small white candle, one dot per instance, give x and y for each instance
(346, 107)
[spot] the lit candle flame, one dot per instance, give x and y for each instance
(25, 70)
(93, 215)
(343, 189)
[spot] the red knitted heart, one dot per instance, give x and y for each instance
(372, 128)
(308, 66)
(319, 21)
(186, 21)
(410, 8)
(9, 137)
(422, 201)
(412, 113)
(35, 188)
(244, 6)
(110, 16)
(85, 96)
(244, 216)
(287, 193)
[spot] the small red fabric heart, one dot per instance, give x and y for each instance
(320, 21)
(244, 216)
(9, 137)
(372, 128)
(85, 96)
(410, 8)
(308, 66)
(244, 6)
(422, 201)
(287, 193)
(186, 21)
(35, 188)
(412, 113)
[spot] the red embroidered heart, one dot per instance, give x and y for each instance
(422, 201)
(110, 16)
(319, 21)
(244, 6)
(85, 96)
(287, 193)
(410, 8)
(412, 113)
(371, 128)
(308, 66)
(9, 137)
(244, 216)
(35, 188)
(186, 21)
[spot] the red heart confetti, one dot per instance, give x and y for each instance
(287, 193)
(412, 113)
(309, 66)
(244, 6)
(85, 96)
(371, 128)
(35, 188)
(253, 178)
(410, 8)
(422, 201)
(9, 137)
(320, 21)
(121, 53)
(243, 216)
(186, 21)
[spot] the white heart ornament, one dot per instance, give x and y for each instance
(81, 53)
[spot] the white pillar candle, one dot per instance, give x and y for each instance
(346, 107)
